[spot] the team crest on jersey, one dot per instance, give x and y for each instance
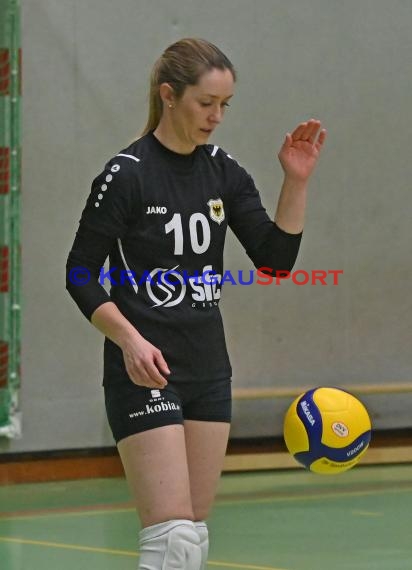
(216, 211)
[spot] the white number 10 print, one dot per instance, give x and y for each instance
(175, 225)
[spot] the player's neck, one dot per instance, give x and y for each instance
(171, 140)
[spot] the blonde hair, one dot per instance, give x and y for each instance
(180, 65)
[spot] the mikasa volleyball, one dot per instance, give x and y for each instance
(327, 430)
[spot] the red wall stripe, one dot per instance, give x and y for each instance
(4, 363)
(4, 170)
(4, 269)
(4, 71)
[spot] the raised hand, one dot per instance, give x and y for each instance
(300, 150)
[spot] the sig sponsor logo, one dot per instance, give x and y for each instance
(206, 288)
(306, 410)
(167, 287)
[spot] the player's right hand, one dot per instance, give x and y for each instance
(144, 363)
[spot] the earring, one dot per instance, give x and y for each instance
(170, 106)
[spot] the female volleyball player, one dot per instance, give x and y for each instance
(160, 210)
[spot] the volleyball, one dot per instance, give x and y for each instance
(327, 430)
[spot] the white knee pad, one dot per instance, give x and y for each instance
(172, 545)
(203, 533)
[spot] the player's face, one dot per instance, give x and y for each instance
(202, 107)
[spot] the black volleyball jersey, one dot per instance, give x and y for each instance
(162, 217)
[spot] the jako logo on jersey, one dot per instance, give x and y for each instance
(156, 210)
(216, 211)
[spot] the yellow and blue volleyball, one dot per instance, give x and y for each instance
(327, 430)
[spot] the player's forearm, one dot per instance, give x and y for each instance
(109, 320)
(290, 212)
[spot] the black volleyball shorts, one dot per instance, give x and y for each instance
(132, 409)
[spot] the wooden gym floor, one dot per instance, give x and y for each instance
(269, 520)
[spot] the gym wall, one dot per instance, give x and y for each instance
(86, 68)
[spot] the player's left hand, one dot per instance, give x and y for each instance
(300, 150)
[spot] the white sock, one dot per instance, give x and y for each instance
(172, 545)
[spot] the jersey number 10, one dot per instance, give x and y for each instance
(198, 245)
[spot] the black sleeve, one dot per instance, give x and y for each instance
(265, 243)
(84, 263)
(112, 201)
(109, 209)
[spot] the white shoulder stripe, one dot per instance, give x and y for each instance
(129, 156)
(214, 151)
